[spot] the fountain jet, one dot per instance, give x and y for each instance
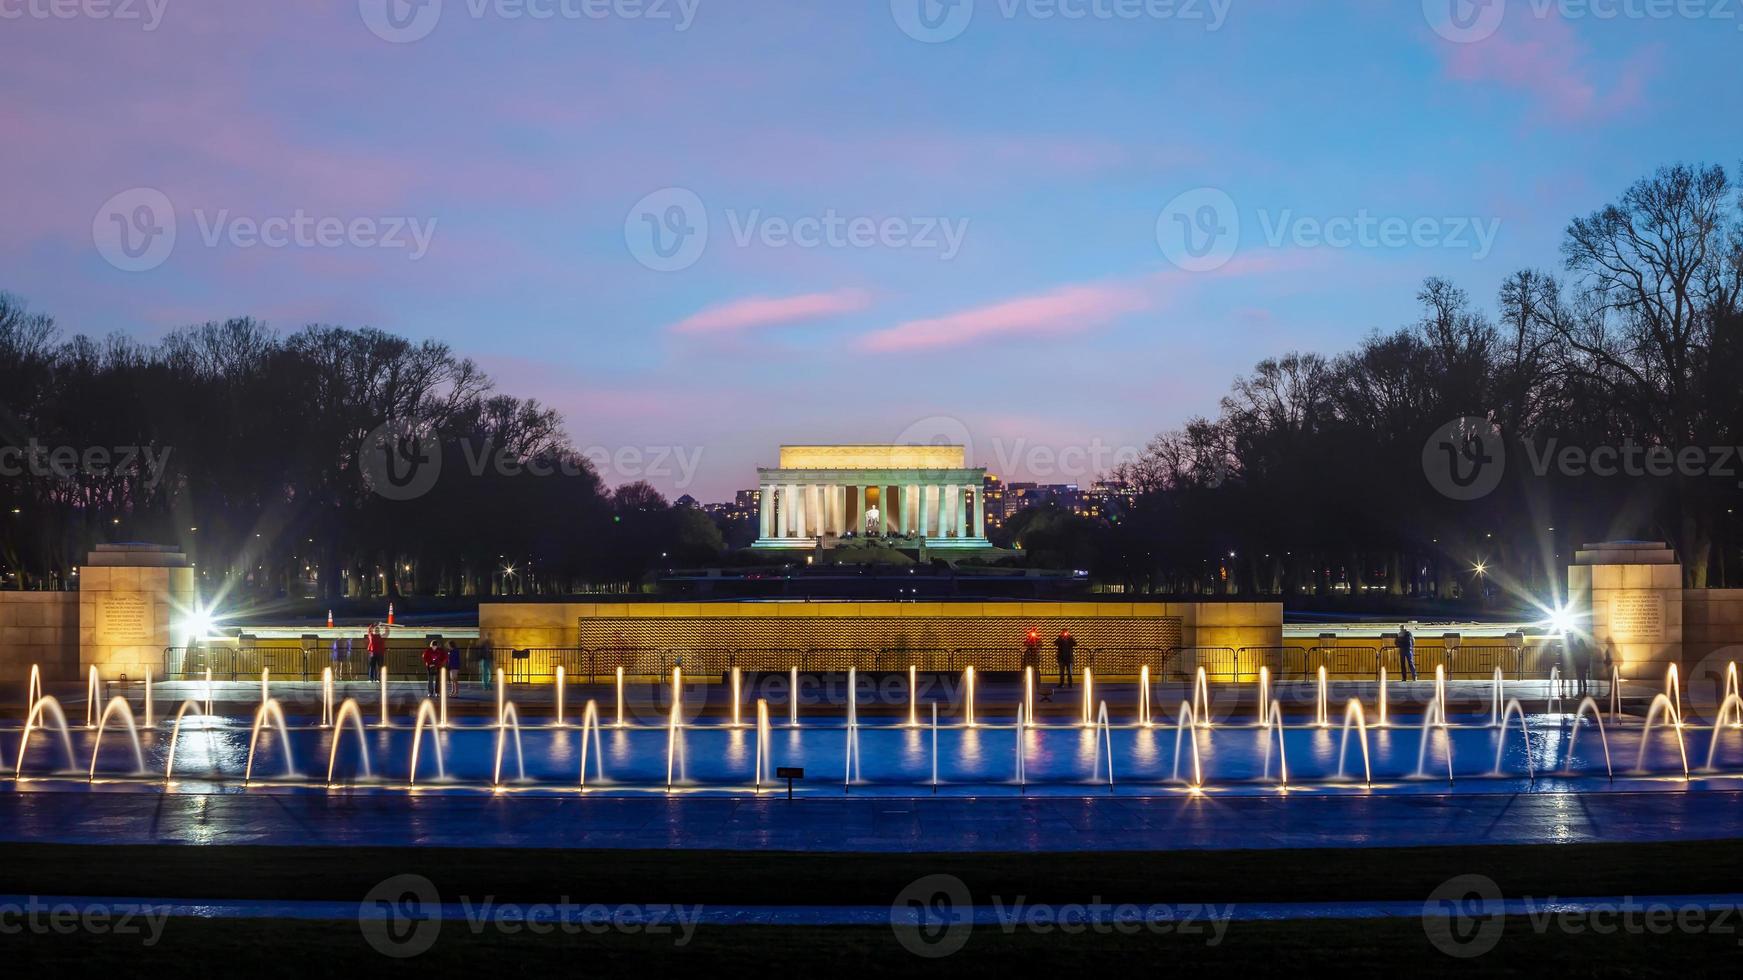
(426, 718)
(1662, 704)
(52, 709)
(1514, 708)
(348, 710)
(117, 705)
(590, 727)
(1353, 714)
(1573, 738)
(269, 709)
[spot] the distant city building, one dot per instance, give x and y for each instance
(994, 492)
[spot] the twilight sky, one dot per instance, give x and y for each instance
(701, 228)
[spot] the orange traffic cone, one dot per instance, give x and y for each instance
(329, 619)
(390, 614)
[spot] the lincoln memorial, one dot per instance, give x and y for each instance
(826, 495)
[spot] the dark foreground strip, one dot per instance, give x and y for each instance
(793, 879)
(292, 948)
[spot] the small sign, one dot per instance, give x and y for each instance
(789, 772)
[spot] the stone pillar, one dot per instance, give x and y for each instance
(765, 511)
(790, 500)
(859, 510)
(980, 511)
(1628, 597)
(946, 510)
(924, 510)
(134, 601)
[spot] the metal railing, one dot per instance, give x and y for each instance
(598, 665)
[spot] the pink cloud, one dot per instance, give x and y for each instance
(1544, 59)
(1067, 310)
(759, 311)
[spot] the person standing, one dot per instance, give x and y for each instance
(486, 673)
(376, 643)
(1065, 647)
(1582, 658)
(456, 664)
(434, 660)
(1407, 652)
(1032, 650)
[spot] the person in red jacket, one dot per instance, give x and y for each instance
(376, 642)
(435, 658)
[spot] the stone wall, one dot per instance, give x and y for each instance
(40, 628)
(878, 624)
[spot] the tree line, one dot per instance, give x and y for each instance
(1611, 385)
(1315, 479)
(245, 448)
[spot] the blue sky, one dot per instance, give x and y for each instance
(534, 151)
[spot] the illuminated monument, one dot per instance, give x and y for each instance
(829, 495)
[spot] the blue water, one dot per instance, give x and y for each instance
(892, 757)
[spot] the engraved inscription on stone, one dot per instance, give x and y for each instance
(1637, 616)
(124, 618)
